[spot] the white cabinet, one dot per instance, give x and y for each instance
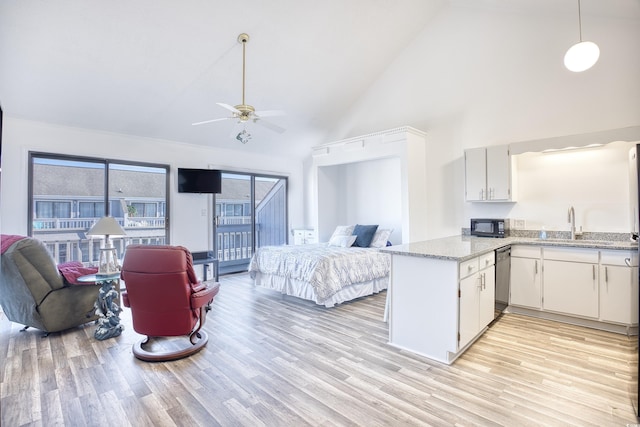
(488, 174)
(526, 274)
(595, 288)
(303, 236)
(475, 168)
(477, 297)
(619, 287)
(438, 307)
(570, 281)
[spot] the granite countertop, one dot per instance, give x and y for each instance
(461, 248)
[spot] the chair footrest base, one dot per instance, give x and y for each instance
(168, 355)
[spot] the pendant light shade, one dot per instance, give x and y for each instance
(582, 55)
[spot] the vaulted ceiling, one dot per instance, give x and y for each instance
(152, 67)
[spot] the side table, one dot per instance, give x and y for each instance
(106, 305)
(205, 258)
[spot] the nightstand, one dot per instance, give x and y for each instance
(303, 236)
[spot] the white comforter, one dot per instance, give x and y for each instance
(327, 268)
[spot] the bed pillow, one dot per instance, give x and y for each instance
(364, 235)
(342, 241)
(342, 230)
(380, 238)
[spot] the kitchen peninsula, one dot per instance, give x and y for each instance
(442, 294)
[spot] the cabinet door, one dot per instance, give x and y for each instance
(469, 309)
(298, 237)
(571, 288)
(498, 173)
(487, 296)
(525, 282)
(310, 236)
(619, 294)
(475, 167)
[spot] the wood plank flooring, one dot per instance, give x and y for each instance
(274, 361)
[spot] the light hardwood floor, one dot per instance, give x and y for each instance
(278, 361)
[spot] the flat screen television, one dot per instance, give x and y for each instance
(199, 181)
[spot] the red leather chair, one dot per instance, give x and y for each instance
(166, 299)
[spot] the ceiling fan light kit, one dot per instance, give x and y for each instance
(582, 55)
(243, 136)
(243, 112)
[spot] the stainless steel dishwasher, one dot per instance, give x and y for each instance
(503, 278)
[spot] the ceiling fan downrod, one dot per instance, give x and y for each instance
(243, 38)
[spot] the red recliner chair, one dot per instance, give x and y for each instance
(166, 299)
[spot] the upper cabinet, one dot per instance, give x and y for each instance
(488, 175)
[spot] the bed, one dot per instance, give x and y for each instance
(326, 273)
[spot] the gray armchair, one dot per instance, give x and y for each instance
(34, 293)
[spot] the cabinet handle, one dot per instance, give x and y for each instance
(536, 270)
(627, 261)
(594, 272)
(606, 274)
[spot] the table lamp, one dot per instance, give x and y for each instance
(107, 226)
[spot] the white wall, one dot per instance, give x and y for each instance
(594, 181)
(369, 193)
(189, 227)
(491, 75)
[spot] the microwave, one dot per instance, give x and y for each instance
(487, 227)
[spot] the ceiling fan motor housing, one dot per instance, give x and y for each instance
(245, 111)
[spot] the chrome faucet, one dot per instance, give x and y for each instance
(572, 220)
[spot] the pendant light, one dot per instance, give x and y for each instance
(582, 55)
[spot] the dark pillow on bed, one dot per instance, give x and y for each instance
(364, 235)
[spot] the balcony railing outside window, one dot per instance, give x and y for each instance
(66, 239)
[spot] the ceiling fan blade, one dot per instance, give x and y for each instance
(269, 125)
(211, 121)
(270, 113)
(228, 107)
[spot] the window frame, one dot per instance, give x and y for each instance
(106, 162)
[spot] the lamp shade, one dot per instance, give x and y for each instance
(581, 56)
(106, 226)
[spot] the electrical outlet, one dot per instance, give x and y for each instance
(519, 224)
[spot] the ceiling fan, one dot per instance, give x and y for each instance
(244, 113)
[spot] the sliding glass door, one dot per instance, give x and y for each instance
(68, 194)
(251, 211)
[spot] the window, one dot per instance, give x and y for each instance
(49, 209)
(90, 209)
(144, 209)
(68, 194)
